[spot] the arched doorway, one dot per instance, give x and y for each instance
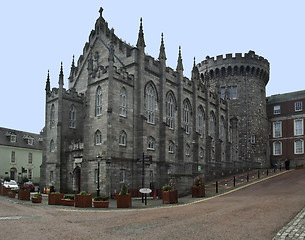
(13, 174)
(77, 179)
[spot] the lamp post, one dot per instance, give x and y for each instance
(98, 158)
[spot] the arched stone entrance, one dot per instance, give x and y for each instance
(77, 179)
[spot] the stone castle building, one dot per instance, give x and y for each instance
(126, 115)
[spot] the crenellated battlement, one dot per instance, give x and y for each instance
(70, 94)
(250, 64)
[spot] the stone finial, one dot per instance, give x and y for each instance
(141, 42)
(48, 88)
(179, 64)
(162, 55)
(61, 76)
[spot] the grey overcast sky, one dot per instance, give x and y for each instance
(37, 35)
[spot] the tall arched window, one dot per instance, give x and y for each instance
(222, 128)
(98, 101)
(171, 147)
(170, 108)
(277, 148)
(187, 149)
(123, 102)
(98, 137)
(72, 116)
(123, 138)
(150, 143)
(52, 146)
(52, 116)
(186, 116)
(150, 100)
(212, 124)
(201, 121)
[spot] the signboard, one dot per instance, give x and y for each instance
(145, 190)
(199, 168)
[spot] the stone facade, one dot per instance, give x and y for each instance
(137, 115)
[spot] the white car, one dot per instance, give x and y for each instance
(11, 184)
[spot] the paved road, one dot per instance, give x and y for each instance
(255, 212)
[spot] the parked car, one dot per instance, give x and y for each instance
(11, 184)
(28, 185)
(1, 182)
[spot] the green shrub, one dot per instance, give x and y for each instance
(124, 190)
(166, 187)
(37, 195)
(69, 197)
(101, 198)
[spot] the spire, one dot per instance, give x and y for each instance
(162, 55)
(48, 83)
(101, 12)
(72, 70)
(111, 47)
(195, 72)
(61, 76)
(179, 64)
(141, 42)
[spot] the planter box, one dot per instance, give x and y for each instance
(198, 192)
(101, 204)
(36, 199)
(170, 197)
(24, 195)
(55, 198)
(5, 191)
(123, 201)
(11, 195)
(299, 167)
(1, 190)
(67, 202)
(83, 201)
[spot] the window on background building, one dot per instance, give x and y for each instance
(277, 129)
(201, 152)
(52, 146)
(298, 127)
(123, 138)
(30, 141)
(13, 157)
(98, 101)
(98, 137)
(170, 106)
(233, 91)
(30, 174)
(186, 117)
(52, 116)
(299, 147)
(30, 159)
(171, 147)
(13, 138)
(72, 116)
(298, 106)
(123, 102)
(277, 110)
(150, 143)
(212, 124)
(122, 175)
(277, 148)
(151, 102)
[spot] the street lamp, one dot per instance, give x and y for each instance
(98, 158)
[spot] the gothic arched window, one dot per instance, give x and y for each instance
(150, 100)
(123, 102)
(170, 108)
(150, 143)
(98, 137)
(98, 101)
(186, 116)
(201, 121)
(52, 116)
(72, 116)
(123, 138)
(212, 124)
(52, 146)
(171, 147)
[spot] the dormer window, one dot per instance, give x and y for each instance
(277, 110)
(13, 138)
(29, 139)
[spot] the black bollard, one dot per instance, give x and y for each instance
(216, 186)
(234, 181)
(258, 175)
(247, 177)
(267, 172)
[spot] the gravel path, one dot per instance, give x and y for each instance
(255, 212)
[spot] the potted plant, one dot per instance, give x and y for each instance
(12, 193)
(169, 194)
(101, 202)
(83, 200)
(37, 198)
(68, 200)
(24, 194)
(198, 188)
(54, 198)
(123, 199)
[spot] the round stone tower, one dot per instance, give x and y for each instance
(242, 80)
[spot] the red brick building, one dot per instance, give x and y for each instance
(286, 114)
